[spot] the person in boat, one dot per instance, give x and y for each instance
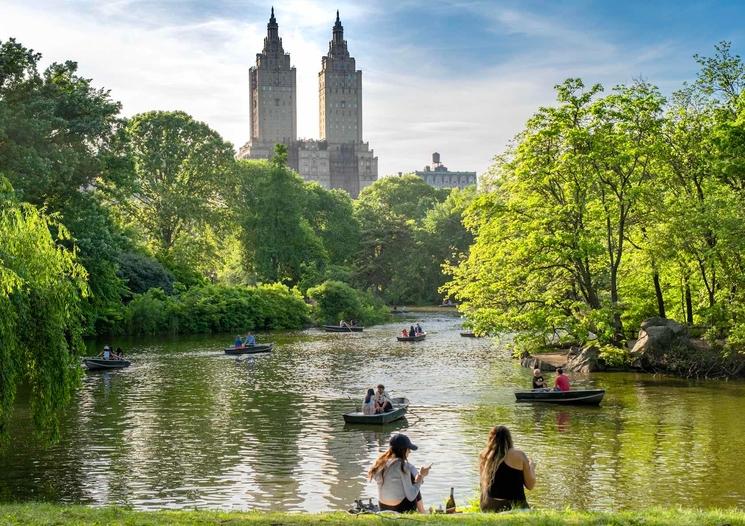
(561, 383)
(382, 402)
(238, 342)
(419, 329)
(119, 354)
(538, 381)
(412, 331)
(399, 482)
(405, 333)
(368, 404)
(250, 340)
(505, 472)
(106, 354)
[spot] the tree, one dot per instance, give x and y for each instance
(278, 239)
(41, 290)
(180, 167)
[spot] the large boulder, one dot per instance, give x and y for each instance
(586, 360)
(657, 338)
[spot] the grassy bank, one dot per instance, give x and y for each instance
(59, 514)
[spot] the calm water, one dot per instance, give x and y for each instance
(186, 426)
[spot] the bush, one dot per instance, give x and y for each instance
(215, 309)
(142, 273)
(338, 301)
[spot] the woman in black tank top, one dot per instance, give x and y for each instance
(505, 473)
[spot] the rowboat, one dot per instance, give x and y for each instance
(417, 338)
(400, 405)
(573, 397)
(99, 364)
(343, 328)
(468, 334)
(249, 349)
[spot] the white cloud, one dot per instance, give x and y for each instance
(154, 58)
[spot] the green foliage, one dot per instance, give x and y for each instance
(141, 273)
(42, 287)
(278, 239)
(338, 301)
(614, 208)
(181, 169)
(614, 356)
(215, 309)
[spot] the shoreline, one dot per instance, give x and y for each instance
(44, 513)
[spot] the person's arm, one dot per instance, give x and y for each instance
(411, 489)
(528, 472)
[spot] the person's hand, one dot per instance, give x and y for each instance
(424, 470)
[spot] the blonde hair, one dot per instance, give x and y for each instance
(497, 445)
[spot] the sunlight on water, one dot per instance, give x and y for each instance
(187, 426)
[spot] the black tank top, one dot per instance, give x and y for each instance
(508, 484)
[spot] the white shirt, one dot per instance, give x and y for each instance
(395, 485)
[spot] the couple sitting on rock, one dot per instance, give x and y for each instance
(561, 383)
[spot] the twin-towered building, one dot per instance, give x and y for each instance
(340, 159)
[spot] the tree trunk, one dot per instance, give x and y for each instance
(658, 294)
(689, 303)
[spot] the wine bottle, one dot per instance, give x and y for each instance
(450, 505)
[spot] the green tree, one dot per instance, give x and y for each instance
(181, 168)
(278, 239)
(41, 289)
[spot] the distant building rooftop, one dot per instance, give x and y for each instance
(439, 176)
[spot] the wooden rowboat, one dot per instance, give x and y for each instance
(99, 364)
(417, 338)
(573, 397)
(342, 328)
(249, 349)
(400, 405)
(468, 334)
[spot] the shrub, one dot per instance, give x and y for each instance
(338, 301)
(216, 308)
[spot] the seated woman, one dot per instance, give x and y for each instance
(505, 472)
(238, 342)
(405, 333)
(368, 405)
(398, 481)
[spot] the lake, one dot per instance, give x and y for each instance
(188, 427)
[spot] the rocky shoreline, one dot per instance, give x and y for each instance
(663, 346)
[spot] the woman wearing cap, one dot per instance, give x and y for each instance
(398, 481)
(505, 472)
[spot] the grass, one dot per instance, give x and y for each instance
(51, 514)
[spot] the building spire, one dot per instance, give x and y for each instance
(272, 28)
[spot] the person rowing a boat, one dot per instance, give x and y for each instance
(399, 482)
(382, 402)
(562, 381)
(250, 340)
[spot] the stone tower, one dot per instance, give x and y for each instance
(273, 96)
(340, 92)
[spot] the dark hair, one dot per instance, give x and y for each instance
(560, 370)
(381, 386)
(369, 395)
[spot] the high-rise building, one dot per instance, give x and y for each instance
(273, 96)
(340, 92)
(339, 159)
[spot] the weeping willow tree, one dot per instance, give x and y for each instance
(41, 289)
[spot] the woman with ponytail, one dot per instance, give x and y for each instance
(505, 473)
(398, 481)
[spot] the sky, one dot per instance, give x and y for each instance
(459, 77)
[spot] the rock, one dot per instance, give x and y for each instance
(656, 338)
(587, 360)
(546, 362)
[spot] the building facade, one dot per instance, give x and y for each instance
(439, 176)
(340, 159)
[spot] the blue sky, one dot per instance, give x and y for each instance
(455, 76)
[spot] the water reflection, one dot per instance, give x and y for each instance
(186, 426)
